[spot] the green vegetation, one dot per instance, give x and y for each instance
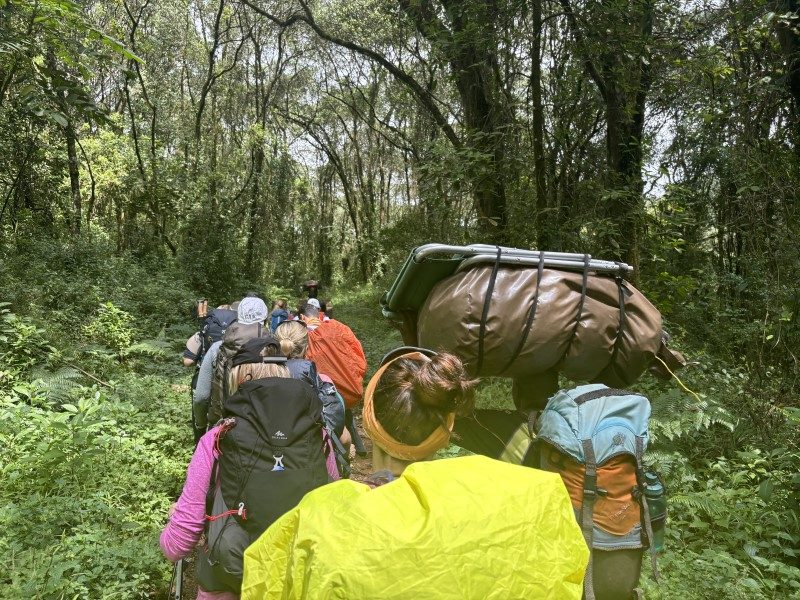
(94, 420)
(152, 153)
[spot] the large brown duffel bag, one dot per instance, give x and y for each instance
(530, 323)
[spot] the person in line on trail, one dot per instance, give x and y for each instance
(314, 302)
(279, 314)
(335, 349)
(191, 352)
(326, 309)
(214, 324)
(311, 288)
(248, 470)
(617, 523)
(293, 338)
(461, 528)
(250, 311)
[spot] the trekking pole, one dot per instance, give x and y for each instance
(176, 583)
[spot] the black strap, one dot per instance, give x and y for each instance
(340, 454)
(487, 300)
(212, 488)
(533, 416)
(587, 512)
(531, 315)
(623, 321)
(605, 392)
(584, 285)
(225, 388)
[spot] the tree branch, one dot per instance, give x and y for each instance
(577, 33)
(423, 96)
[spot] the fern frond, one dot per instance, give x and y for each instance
(57, 385)
(157, 348)
(699, 503)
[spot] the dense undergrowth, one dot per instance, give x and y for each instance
(93, 422)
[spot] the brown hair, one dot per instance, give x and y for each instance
(293, 337)
(413, 397)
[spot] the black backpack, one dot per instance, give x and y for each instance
(271, 454)
(236, 337)
(214, 327)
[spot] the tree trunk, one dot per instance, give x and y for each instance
(544, 239)
(789, 39)
(623, 77)
(624, 134)
(255, 197)
(74, 177)
(471, 62)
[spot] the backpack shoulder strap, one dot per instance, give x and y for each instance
(587, 512)
(213, 484)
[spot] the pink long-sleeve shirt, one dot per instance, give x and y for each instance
(186, 524)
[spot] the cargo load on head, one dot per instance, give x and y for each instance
(529, 315)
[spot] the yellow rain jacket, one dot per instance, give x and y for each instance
(461, 528)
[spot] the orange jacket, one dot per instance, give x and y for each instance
(338, 354)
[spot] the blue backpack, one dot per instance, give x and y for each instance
(588, 426)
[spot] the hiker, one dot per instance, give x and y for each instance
(279, 314)
(336, 351)
(251, 312)
(293, 339)
(611, 420)
(213, 329)
(311, 287)
(214, 325)
(315, 303)
(326, 309)
(191, 352)
(277, 416)
(462, 528)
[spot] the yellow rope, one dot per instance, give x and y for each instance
(683, 385)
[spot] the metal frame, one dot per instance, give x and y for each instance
(599, 266)
(484, 253)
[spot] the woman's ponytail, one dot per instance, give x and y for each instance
(444, 385)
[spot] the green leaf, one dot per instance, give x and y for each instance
(58, 118)
(765, 490)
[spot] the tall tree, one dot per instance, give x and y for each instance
(615, 41)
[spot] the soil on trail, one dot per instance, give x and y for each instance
(361, 465)
(361, 469)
